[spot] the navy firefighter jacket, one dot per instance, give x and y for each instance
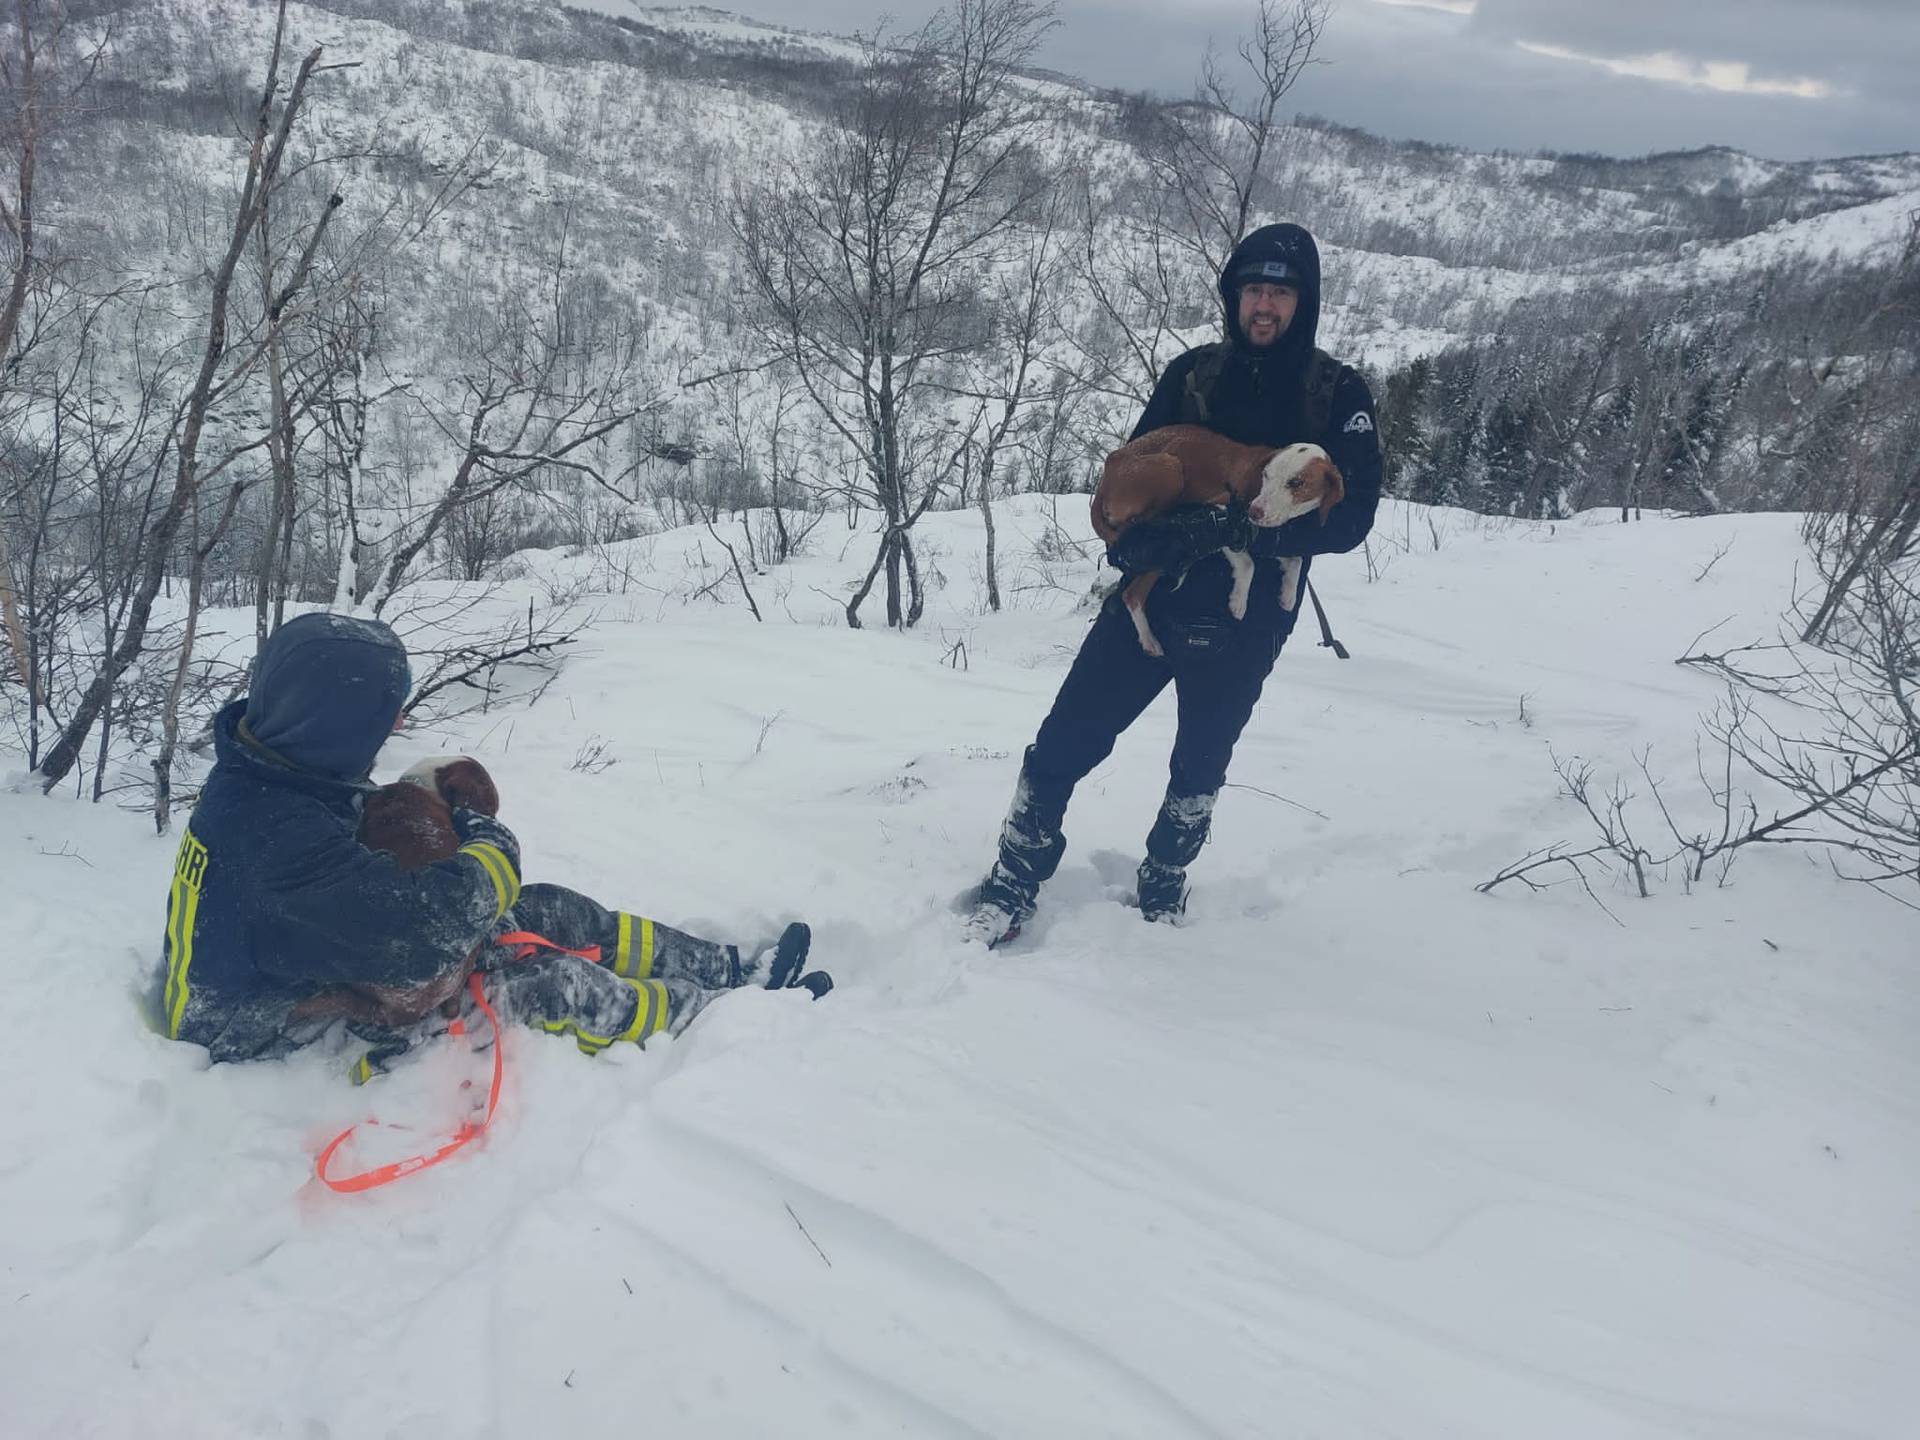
(1259, 397)
(273, 898)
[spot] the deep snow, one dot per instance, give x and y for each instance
(1355, 1152)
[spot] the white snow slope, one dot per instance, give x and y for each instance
(1355, 1152)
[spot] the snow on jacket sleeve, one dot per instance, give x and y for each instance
(345, 914)
(1352, 442)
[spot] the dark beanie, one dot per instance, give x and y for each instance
(1279, 254)
(326, 690)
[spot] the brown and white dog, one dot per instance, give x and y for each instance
(1188, 465)
(411, 820)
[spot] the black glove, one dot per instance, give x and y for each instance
(1174, 541)
(471, 825)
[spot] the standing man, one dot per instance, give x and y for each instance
(1266, 385)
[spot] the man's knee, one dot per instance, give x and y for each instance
(1065, 751)
(1198, 769)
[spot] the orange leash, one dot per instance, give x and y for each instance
(525, 944)
(469, 1129)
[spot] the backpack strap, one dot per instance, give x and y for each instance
(1323, 376)
(1195, 401)
(1326, 630)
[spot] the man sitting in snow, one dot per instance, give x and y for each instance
(277, 911)
(1266, 385)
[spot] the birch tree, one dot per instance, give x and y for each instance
(865, 256)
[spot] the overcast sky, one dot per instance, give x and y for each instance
(1787, 79)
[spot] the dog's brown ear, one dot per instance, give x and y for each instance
(1333, 490)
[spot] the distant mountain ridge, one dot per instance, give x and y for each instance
(644, 124)
(616, 145)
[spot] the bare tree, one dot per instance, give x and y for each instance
(1215, 154)
(550, 385)
(1002, 380)
(865, 258)
(1863, 420)
(1149, 272)
(222, 369)
(40, 84)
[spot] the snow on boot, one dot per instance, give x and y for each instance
(776, 966)
(989, 925)
(1003, 903)
(1163, 891)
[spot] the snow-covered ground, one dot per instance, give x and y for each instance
(1356, 1152)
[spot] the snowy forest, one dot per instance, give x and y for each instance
(312, 302)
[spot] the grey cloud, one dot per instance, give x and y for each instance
(1421, 74)
(1428, 75)
(1776, 37)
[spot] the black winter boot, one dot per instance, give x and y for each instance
(1179, 831)
(1004, 903)
(1163, 891)
(789, 956)
(780, 965)
(1031, 844)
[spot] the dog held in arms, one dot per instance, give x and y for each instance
(412, 820)
(1191, 465)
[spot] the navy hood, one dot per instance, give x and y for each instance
(326, 690)
(1286, 246)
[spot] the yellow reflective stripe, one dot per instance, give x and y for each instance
(661, 1000)
(175, 970)
(183, 907)
(361, 1072)
(623, 962)
(651, 1002)
(496, 860)
(588, 1042)
(643, 1007)
(506, 883)
(623, 955)
(493, 874)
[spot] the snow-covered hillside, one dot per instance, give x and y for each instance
(1354, 1152)
(639, 126)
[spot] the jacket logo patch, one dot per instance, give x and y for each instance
(1358, 425)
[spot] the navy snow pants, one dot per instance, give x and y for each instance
(1217, 669)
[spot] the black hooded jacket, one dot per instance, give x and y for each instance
(1259, 397)
(273, 898)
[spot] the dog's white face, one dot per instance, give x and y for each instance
(1291, 485)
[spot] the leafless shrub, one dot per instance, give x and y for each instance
(462, 665)
(1707, 569)
(592, 757)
